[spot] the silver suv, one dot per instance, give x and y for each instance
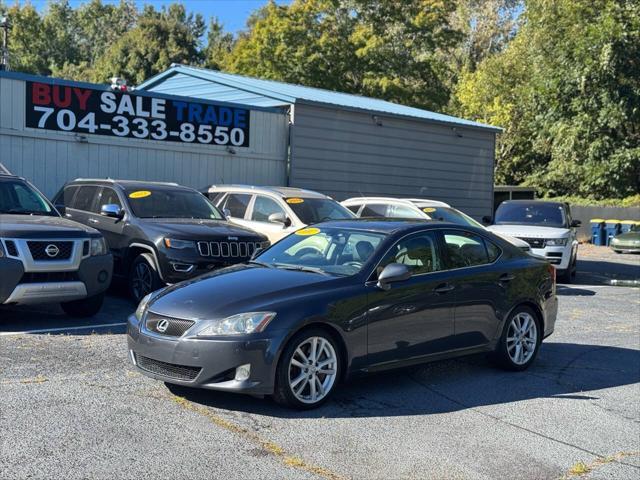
(46, 258)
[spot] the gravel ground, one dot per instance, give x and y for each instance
(72, 407)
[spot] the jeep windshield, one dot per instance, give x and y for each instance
(18, 198)
(316, 210)
(535, 214)
(171, 203)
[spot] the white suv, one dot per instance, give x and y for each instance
(547, 227)
(274, 211)
(417, 208)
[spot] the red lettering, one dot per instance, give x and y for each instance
(40, 94)
(57, 100)
(83, 96)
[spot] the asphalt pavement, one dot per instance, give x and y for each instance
(71, 406)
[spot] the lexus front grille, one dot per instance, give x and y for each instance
(171, 327)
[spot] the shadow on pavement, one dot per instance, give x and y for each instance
(567, 291)
(600, 272)
(562, 370)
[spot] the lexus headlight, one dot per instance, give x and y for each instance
(143, 306)
(179, 244)
(556, 242)
(98, 246)
(239, 324)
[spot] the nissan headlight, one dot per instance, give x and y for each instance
(179, 244)
(555, 242)
(98, 246)
(240, 324)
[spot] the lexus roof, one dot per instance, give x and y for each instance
(391, 225)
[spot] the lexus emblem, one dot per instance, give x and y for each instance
(51, 250)
(162, 325)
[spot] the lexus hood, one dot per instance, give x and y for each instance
(237, 289)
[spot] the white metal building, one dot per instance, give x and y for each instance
(339, 144)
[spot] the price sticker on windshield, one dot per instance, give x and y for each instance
(140, 194)
(308, 231)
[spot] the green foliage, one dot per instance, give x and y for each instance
(631, 201)
(382, 49)
(567, 91)
(561, 76)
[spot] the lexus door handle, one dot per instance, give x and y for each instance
(444, 288)
(507, 277)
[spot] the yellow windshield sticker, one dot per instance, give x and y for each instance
(140, 194)
(295, 200)
(428, 210)
(308, 231)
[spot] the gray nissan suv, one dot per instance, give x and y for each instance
(45, 258)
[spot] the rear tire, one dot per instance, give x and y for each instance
(143, 277)
(308, 371)
(86, 307)
(520, 341)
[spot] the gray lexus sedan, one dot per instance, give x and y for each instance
(344, 298)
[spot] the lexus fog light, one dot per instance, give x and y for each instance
(243, 372)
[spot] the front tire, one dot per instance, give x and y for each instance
(520, 341)
(86, 307)
(308, 370)
(143, 277)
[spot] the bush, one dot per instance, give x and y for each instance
(631, 201)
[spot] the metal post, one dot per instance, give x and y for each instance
(4, 58)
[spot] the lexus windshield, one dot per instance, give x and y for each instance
(171, 203)
(452, 215)
(538, 214)
(332, 251)
(18, 198)
(316, 210)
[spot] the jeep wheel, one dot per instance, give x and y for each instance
(86, 307)
(143, 277)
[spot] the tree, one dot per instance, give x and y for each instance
(567, 91)
(158, 39)
(382, 49)
(27, 40)
(219, 45)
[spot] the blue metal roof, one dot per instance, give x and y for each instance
(214, 85)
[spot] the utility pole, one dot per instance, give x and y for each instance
(4, 58)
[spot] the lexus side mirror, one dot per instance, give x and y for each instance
(486, 220)
(394, 272)
(280, 217)
(111, 210)
(576, 224)
(61, 209)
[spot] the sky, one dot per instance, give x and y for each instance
(232, 13)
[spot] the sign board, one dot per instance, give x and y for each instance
(125, 114)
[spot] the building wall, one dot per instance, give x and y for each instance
(50, 158)
(344, 154)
